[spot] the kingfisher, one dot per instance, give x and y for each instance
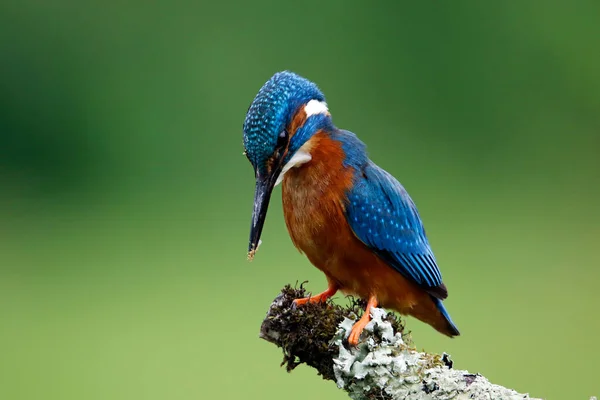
(354, 221)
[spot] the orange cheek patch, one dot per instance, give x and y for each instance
(297, 122)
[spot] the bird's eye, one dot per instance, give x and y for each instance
(282, 139)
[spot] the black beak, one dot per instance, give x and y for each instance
(262, 196)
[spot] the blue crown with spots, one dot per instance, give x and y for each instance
(271, 110)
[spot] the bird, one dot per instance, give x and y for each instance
(353, 220)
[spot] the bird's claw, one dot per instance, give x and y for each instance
(360, 325)
(354, 337)
(294, 305)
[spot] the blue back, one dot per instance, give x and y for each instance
(384, 217)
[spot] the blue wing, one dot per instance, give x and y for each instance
(384, 217)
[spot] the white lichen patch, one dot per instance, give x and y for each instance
(383, 365)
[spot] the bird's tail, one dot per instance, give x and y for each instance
(449, 329)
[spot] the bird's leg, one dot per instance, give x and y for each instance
(362, 322)
(321, 297)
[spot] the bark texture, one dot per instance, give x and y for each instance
(384, 366)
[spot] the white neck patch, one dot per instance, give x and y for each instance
(302, 156)
(315, 107)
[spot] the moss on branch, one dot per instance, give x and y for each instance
(385, 364)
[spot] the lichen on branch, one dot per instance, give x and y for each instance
(385, 364)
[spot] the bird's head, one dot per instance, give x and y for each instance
(287, 111)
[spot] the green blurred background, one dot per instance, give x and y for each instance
(125, 199)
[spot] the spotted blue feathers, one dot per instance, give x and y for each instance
(384, 217)
(272, 110)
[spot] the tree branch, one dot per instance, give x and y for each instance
(384, 366)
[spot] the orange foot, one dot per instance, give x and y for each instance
(362, 322)
(331, 290)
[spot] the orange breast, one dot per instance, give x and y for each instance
(314, 198)
(313, 202)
